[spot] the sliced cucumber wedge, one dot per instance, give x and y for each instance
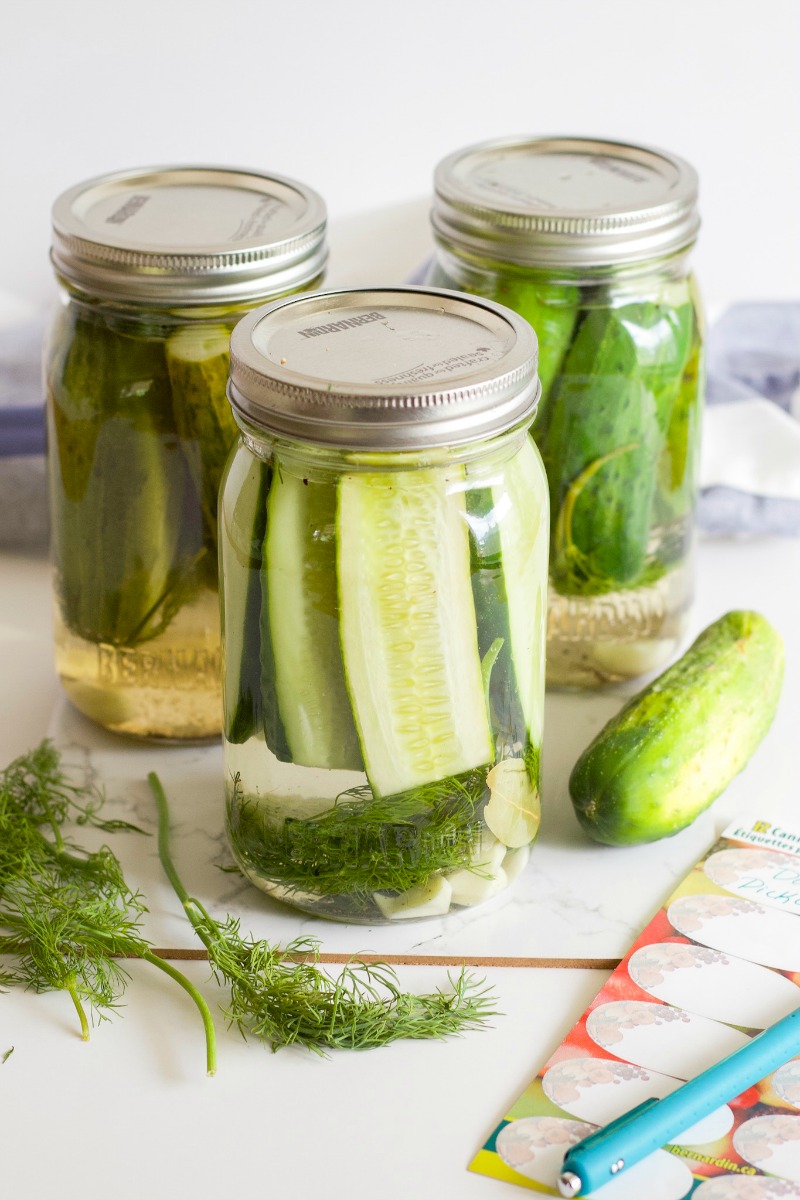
(197, 361)
(301, 658)
(508, 538)
(408, 628)
(240, 597)
(523, 547)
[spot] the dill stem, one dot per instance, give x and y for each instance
(204, 1010)
(168, 865)
(174, 878)
(70, 987)
(170, 871)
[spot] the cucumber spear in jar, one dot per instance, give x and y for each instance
(622, 407)
(126, 550)
(197, 362)
(392, 651)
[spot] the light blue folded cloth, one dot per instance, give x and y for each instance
(23, 486)
(750, 470)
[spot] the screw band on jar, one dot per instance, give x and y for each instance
(189, 234)
(459, 368)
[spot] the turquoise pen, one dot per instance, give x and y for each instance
(601, 1156)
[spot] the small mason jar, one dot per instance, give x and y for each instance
(155, 266)
(384, 537)
(589, 240)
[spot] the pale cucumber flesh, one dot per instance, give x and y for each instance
(408, 628)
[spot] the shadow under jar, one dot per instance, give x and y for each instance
(589, 241)
(384, 539)
(156, 266)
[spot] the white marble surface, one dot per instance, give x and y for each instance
(575, 899)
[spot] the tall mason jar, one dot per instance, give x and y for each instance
(384, 536)
(155, 268)
(589, 241)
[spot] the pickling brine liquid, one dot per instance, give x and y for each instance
(335, 861)
(383, 636)
(165, 689)
(595, 640)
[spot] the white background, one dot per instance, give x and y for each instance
(360, 99)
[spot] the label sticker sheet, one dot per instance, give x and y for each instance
(718, 963)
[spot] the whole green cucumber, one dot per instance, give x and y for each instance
(600, 454)
(676, 745)
(552, 309)
(662, 332)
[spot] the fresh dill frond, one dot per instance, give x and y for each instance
(364, 843)
(68, 919)
(6, 1056)
(60, 937)
(281, 996)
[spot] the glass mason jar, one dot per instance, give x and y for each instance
(589, 241)
(384, 536)
(155, 268)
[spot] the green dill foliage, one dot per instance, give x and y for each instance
(6, 1056)
(68, 919)
(281, 996)
(365, 843)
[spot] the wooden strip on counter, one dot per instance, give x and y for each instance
(431, 960)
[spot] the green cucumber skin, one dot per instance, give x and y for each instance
(680, 459)
(657, 372)
(307, 715)
(602, 407)
(552, 310)
(204, 421)
(247, 480)
(662, 335)
(123, 535)
(491, 612)
(676, 745)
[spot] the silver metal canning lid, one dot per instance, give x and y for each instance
(190, 234)
(565, 201)
(384, 368)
